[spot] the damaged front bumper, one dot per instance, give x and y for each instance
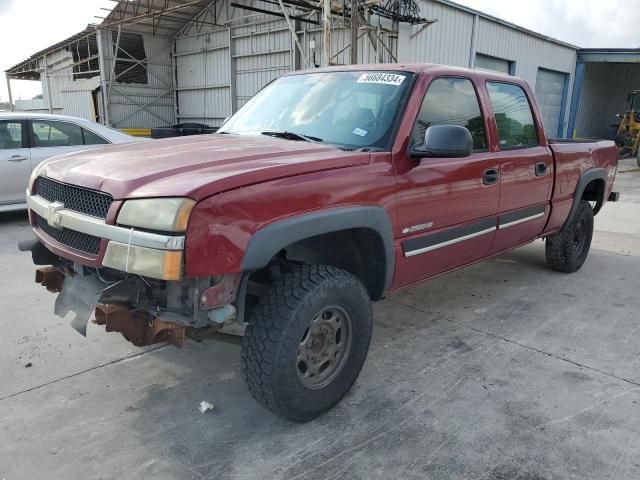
(144, 310)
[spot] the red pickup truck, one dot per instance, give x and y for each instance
(328, 190)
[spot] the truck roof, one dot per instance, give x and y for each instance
(431, 68)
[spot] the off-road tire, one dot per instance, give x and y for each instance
(567, 250)
(638, 157)
(278, 324)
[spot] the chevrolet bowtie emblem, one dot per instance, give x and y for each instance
(53, 214)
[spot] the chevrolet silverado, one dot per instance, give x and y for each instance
(328, 190)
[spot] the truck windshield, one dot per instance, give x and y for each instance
(347, 109)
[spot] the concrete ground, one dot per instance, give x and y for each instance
(505, 370)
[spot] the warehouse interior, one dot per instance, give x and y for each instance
(604, 79)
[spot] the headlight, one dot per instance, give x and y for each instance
(164, 214)
(149, 262)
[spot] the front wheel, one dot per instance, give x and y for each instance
(567, 250)
(306, 341)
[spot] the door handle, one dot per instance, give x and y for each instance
(541, 169)
(17, 158)
(490, 176)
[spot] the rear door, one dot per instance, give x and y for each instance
(526, 166)
(14, 162)
(446, 206)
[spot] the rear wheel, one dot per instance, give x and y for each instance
(306, 341)
(567, 250)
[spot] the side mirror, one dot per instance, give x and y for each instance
(444, 141)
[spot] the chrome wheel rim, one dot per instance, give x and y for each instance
(324, 347)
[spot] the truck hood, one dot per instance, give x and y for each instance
(195, 166)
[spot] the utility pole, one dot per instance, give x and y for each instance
(326, 33)
(354, 31)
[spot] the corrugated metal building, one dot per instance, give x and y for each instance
(468, 38)
(227, 53)
(157, 62)
(120, 78)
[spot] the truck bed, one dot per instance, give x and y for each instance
(574, 140)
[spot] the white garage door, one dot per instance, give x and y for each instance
(549, 92)
(493, 64)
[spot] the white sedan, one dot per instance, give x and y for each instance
(26, 139)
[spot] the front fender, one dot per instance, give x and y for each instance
(268, 241)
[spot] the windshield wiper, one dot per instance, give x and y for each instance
(292, 136)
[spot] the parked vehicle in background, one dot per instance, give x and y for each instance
(182, 130)
(328, 190)
(28, 139)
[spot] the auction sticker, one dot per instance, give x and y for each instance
(380, 77)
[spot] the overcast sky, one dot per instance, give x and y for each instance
(27, 26)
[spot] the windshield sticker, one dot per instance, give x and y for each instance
(384, 78)
(361, 132)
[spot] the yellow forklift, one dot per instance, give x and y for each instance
(628, 136)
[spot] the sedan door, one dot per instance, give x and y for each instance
(14, 162)
(54, 137)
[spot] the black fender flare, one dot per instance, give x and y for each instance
(267, 242)
(585, 179)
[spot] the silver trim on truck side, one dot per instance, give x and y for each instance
(59, 217)
(453, 241)
(518, 222)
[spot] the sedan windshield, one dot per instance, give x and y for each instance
(346, 109)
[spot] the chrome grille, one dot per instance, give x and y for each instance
(78, 199)
(76, 240)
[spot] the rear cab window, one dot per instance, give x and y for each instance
(514, 116)
(451, 101)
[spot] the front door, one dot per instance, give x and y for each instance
(14, 162)
(53, 137)
(446, 206)
(526, 167)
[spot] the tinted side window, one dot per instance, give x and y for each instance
(451, 101)
(10, 134)
(514, 118)
(91, 138)
(50, 133)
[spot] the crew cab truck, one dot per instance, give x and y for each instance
(330, 189)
